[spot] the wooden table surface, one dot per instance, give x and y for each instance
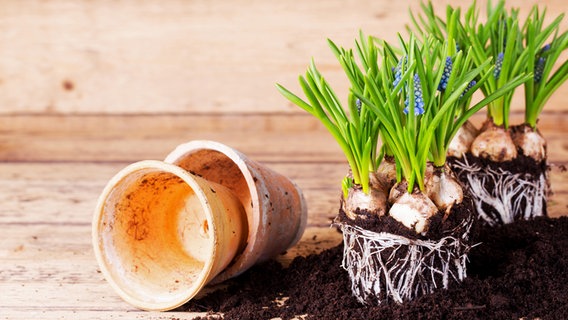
(54, 167)
(88, 87)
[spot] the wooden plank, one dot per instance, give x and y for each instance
(66, 193)
(129, 138)
(132, 138)
(152, 56)
(54, 314)
(56, 266)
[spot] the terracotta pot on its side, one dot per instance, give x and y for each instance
(160, 234)
(164, 230)
(275, 207)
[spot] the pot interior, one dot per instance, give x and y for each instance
(155, 238)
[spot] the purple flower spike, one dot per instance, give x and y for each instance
(498, 65)
(417, 111)
(446, 75)
(539, 69)
(469, 86)
(397, 74)
(545, 48)
(418, 99)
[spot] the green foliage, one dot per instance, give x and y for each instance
(415, 96)
(424, 133)
(515, 48)
(542, 57)
(355, 128)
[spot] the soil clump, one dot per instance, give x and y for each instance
(517, 271)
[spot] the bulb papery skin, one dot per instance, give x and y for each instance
(397, 191)
(414, 211)
(462, 141)
(374, 203)
(386, 173)
(442, 187)
(494, 143)
(530, 141)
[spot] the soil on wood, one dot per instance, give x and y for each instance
(518, 271)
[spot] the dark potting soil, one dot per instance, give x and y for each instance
(526, 168)
(518, 271)
(381, 267)
(440, 225)
(521, 164)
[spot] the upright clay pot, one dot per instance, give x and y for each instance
(275, 207)
(160, 233)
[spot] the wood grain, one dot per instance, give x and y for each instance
(55, 265)
(129, 138)
(88, 87)
(64, 56)
(47, 267)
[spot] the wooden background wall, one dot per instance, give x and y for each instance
(89, 86)
(193, 56)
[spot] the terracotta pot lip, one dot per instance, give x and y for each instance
(183, 296)
(240, 160)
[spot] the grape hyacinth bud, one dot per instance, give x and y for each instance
(540, 62)
(545, 48)
(498, 65)
(418, 99)
(397, 73)
(358, 105)
(469, 86)
(539, 69)
(446, 75)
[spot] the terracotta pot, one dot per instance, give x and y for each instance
(160, 233)
(275, 207)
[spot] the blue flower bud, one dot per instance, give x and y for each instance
(418, 99)
(498, 65)
(469, 86)
(397, 74)
(539, 69)
(446, 75)
(358, 105)
(545, 48)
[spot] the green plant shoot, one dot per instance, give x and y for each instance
(515, 49)
(355, 129)
(541, 58)
(423, 132)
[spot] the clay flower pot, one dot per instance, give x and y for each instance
(160, 234)
(275, 207)
(162, 231)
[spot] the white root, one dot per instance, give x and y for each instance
(413, 210)
(494, 143)
(531, 142)
(384, 266)
(463, 139)
(511, 197)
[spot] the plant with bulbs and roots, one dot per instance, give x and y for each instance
(413, 99)
(501, 195)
